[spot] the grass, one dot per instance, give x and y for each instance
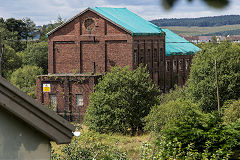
(193, 31)
(128, 144)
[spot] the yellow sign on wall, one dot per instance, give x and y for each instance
(46, 88)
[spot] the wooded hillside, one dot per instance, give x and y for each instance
(201, 22)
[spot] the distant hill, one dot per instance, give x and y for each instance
(224, 33)
(215, 31)
(199, 22)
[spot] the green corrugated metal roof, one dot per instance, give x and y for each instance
(176, 45)
(129, 20)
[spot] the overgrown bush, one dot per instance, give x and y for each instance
(180, 124)
(120, 101)
(171, 108)
(88, 147)
(232, 112)
(173, 151)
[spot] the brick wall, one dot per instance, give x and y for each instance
(66, 88)
(80, 49)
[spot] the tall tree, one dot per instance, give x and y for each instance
(30, 28)
(15, 25)
(15, 33)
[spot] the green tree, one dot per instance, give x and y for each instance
(47, 28)
(36, 54)
(120, 101)
(25, 79)
(10, 61)
(16, 25)
(202, 81)
(30, 28)
(10, 38)
(44, 30)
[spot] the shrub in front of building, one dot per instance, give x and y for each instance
(120, 101)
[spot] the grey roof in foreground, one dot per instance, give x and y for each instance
(34, 114)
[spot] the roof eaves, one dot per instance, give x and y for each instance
(55, 29)
(42, 119)
(146, 34)
(181, 53)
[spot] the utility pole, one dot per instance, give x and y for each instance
(218, 99)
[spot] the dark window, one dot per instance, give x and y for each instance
(167, 65)
(141, 56)
(181, 64)
(187, 65)
(79, 100)
(135, 56)
(155, 55)
(53, 101)
(174, 65)
(149, 57)
(161, 54)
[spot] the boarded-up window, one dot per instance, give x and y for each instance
(174, 65)
(167, 65)
(79, 100)
(155, 78)
(53, 101)
(135, 56)
(161, 54)
(181, 64)
(141, 56)
(155, 55)
(187, 65)
(149, 57)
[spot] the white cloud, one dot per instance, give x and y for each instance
(44, 11)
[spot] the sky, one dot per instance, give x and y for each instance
(47, 11)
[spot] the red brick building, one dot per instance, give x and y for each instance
(89, 44)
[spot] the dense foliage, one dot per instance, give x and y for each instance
(185, 123)
(202, 81)
(231, 112)
(200, 22)
(120, 101)
(181, 127)
(160, 115)
(36, 54)
(10, 61)
(19, 49)
(25, 79)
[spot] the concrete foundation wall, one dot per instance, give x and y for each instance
(20, 142)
